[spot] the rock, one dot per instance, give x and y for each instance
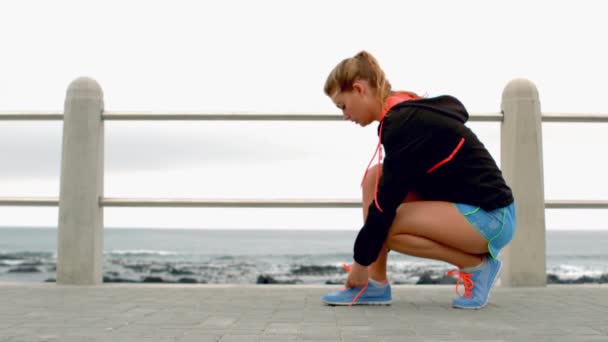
(553, 279)
(153, 280)
(137, 268)
(176, 271)
(266, 279)
(187, 281)
(26, 269)
(586, 280)
(316, 270)
(427, 279)
(117, 280)
(446, 280)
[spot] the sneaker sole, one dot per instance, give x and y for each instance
(487, 299)
(379, 303)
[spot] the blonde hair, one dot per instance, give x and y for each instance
(362, 66)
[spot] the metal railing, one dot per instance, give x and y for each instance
(181, 116)
(266, 203)
(251, 203)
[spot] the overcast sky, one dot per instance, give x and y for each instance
(271, 57)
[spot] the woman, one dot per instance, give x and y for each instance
(438, 193)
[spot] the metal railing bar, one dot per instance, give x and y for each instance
(569, 117)
(31, 116)
(29, 201)
(231, 203)
(109, 116)
(177, 116)
(576, 204)
(255, 203)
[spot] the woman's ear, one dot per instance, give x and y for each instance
(359, 87)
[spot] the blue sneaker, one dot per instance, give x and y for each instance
(477, 284)
(370, 294)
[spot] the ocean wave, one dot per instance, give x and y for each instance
(140, 252)
(584, 279)
(591, 255)
(8, 263)
(20, 255)
(572, 272)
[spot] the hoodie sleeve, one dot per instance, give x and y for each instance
(403, 165)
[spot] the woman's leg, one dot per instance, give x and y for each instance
(377, 270)
(427, 229)
(436, 230)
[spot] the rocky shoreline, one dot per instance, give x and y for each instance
(39, 267)
(424, 279)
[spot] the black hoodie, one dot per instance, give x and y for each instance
(430, 151)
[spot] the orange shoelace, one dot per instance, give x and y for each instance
(347, 269)
(465, 278)
(359, 294)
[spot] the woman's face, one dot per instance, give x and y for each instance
(359, 104)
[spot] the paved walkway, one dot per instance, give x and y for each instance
(200, 313)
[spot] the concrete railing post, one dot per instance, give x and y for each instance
(80, 233)
(522, 165)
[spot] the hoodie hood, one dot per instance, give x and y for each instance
(447, 105)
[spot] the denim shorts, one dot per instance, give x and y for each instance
(496, 226)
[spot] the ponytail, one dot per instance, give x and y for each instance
(363, 66)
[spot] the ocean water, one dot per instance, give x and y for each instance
(264, 256)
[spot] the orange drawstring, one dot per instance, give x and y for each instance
(469, 284)
(379, 153)
(391, 101)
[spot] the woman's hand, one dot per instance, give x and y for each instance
(357, 276)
